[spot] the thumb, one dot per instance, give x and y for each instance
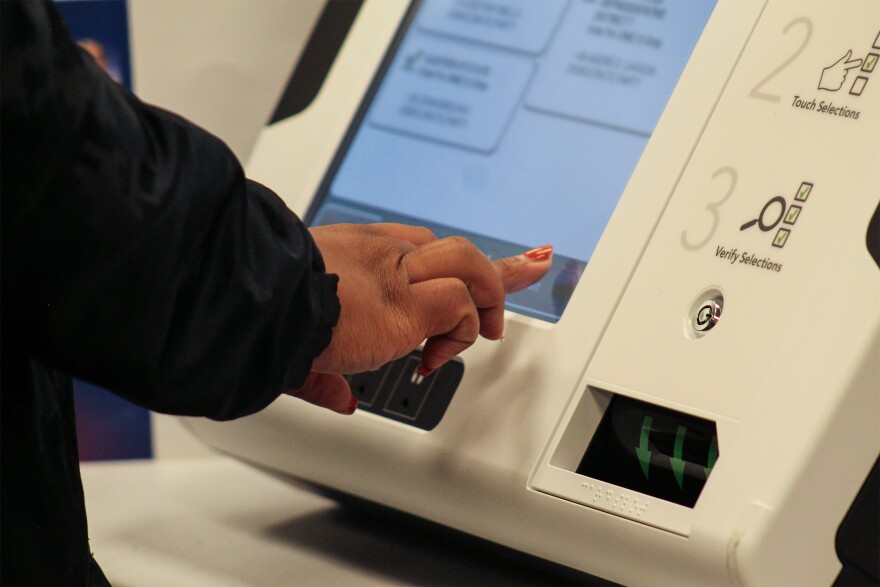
(523, 270)
(327, 391)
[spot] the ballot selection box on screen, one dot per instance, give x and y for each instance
(458, 94)
(607, 60)
(521, 25)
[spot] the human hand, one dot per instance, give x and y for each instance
(399, 286)
(834, 76)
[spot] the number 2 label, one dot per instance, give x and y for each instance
(757, 92)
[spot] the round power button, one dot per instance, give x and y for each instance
(706, 314)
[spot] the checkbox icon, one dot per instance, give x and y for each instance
(792, 215)
(804, 192)
(859, 86)
(781, 237)
(877, 42)
(870, 62)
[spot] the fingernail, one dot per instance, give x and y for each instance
(539, 254)
(423, 371)
(352, 407)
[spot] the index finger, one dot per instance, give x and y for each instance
(523, 270)
(847, 64)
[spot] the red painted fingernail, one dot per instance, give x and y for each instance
(539, 254)
(423, 371)
(352, 407)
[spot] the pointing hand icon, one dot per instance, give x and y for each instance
(834, 75)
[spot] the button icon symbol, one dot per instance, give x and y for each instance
(706, 314)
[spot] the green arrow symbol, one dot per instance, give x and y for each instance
(713, 456)
(676, 460)
(642, 450)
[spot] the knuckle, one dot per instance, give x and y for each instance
(470, 330)
(461, 292)
(461, 242)
(459, 303)
(508, 268)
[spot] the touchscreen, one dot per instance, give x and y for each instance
(515, 123)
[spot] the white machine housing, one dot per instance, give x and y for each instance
(790, 375)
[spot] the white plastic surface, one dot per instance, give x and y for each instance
(790, 373)
(214, 522)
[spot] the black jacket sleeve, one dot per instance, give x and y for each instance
(135, 254)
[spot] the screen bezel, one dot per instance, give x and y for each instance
(361, 112)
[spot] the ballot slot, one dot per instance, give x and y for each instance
(632, 458)
(652, 450)
(639, 446)
(514, 124)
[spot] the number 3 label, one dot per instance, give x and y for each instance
(712, 208)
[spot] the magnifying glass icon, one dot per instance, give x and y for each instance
(760, 219)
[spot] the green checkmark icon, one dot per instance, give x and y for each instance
(804, 192)
(869, 63)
